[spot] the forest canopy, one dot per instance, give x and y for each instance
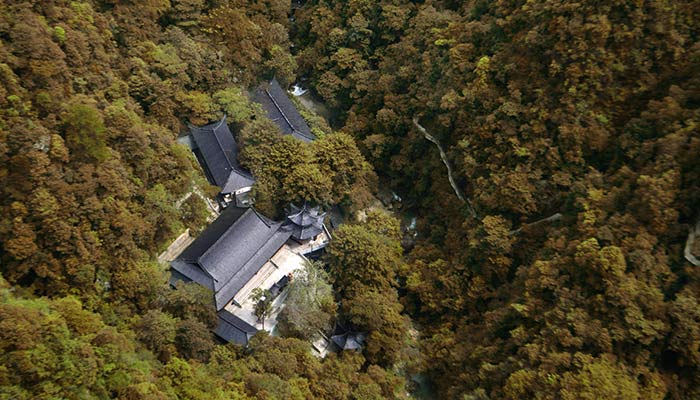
(571, 129)
(549, 152)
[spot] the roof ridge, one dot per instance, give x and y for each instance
(206, 272)
(314, 213)
(264, 219)
(301, 210)
(252, 256)
(206, 252)
(221, 121)
(223, 151)
(241, 171)
(233, 318)
(294, 129)
(207, 126)
(302, 133)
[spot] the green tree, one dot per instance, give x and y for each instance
(193, 339)
(58, 348)
(263, 303)
(85, 132)
(195, 214)
(157, 330)
(538, 118)
(190, 301)
(379, 314)
(340, 160)
(138, 284)
(366, 253)
(309, 305)
(603, 378)
(235, 104)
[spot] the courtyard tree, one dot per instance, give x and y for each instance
(309, 306)
(263, 303)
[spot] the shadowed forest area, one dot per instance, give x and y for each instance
(553, 261)
(586, 109)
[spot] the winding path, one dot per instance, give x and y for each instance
(445, 161)
(688, 251)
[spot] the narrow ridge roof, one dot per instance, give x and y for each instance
(220, 153)
(281, 110)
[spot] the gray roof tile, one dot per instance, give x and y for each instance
(306, 232)
(236, 246)
(238, 179)
(192, 272)
(212, 233)
(349, 340)
(231, 251)
(251, 267)
(281, 110)
(305, 222)
(220, 153)
(233, 329)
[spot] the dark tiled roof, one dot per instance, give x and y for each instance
(305, 215)
(308, 232)
(231, 251)
(212, 233)
(236, 246)
(238, 179)
(305, 222)
(220, 153)
(192, 272)
(349, 340)
(218, 149)
(282, 111)
(263, 250)
(233, 329)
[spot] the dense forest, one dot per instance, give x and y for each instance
(549, 150)
(586, 111)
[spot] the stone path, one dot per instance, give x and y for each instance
(176, 247)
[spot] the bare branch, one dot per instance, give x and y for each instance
(551, 218)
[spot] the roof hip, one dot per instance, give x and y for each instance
(230, 228)
(280, 110)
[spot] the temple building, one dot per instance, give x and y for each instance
(281, 111)
(305, 222)
(349, 340)
(217, 152)
(243, 250)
